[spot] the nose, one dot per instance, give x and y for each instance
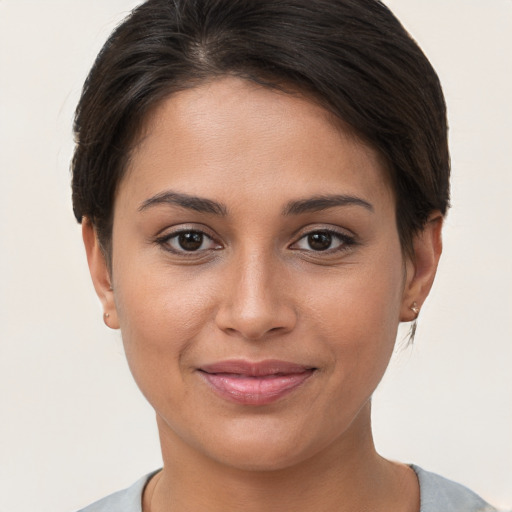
(256, 300)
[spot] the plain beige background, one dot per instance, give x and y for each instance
(74, 427)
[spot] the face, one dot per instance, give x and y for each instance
(258, 276)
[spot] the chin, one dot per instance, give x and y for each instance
(260, 457)
(264, 446)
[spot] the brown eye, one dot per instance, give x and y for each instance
(324, 240)
(190, 240)
(320, 241)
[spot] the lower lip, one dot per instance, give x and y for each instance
(260, 390)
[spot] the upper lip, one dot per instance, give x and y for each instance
(255, 369)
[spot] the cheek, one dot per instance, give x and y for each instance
(160, 314)
(366, 300)
(358, 315)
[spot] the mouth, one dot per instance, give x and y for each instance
(258, 383)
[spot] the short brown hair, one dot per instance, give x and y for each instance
(353, 56)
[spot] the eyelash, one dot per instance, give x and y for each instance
(166, 240)
(345, 242)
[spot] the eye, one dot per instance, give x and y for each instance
(323, 241)
(188, 241)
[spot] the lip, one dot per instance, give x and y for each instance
(254, 383)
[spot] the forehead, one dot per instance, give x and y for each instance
(231, 134)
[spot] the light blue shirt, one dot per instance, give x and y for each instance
(437, 494)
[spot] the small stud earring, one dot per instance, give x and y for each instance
(106, 315)
(414, 308)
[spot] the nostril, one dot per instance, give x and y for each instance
(255, 315)
(255, 334)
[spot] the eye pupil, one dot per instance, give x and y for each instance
(320, 241)
(190, 241)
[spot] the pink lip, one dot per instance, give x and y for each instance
(257, 383)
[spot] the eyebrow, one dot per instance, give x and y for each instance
(203, 205)
(198, 204)
(319, 203)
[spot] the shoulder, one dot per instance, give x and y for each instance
(439, 494)
(127, 500)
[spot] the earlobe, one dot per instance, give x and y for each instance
(421, 269)
(100, 274)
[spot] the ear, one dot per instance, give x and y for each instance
(100, 273)
(421, 268)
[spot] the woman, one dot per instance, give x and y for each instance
(262, 188)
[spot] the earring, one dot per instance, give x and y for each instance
(414, 308)
(106, 315)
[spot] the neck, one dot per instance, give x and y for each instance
(345, 476)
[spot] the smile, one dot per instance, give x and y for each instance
(254, 383)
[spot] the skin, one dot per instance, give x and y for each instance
(256, 289)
